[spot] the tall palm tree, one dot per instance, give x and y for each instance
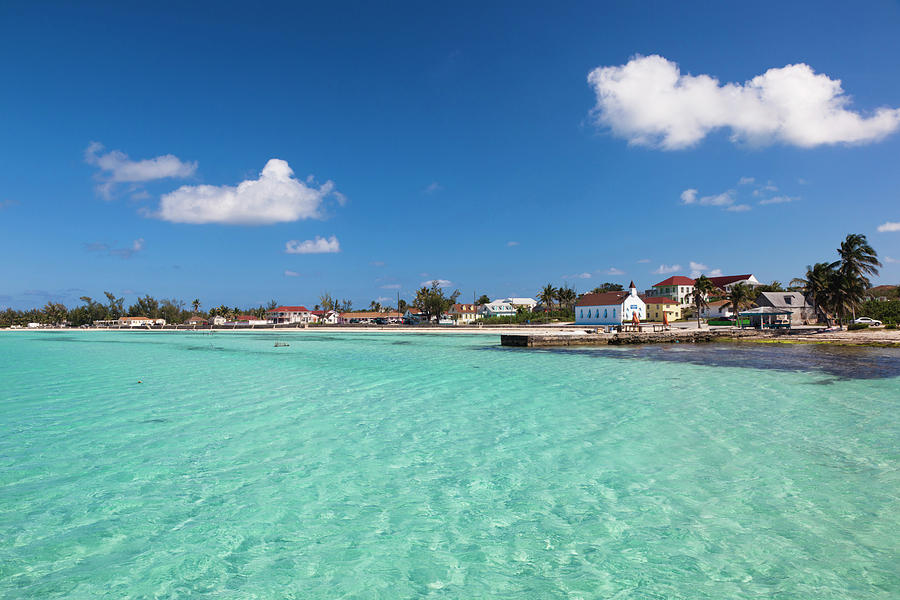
(566, 296)
(547, 296)
(817, 287)
(858, 260)
(740, 297)
(703, 287)
(196, 305)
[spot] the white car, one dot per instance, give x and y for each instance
(868, 321)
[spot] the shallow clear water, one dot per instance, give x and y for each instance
(405, 466)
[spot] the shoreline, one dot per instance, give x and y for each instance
(548, 336)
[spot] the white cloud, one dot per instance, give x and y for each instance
(613, 271)
(738, 208)
(288, 273)
(511, 244)
(576, 276)
(118, 168)
(715, 273)
(276, 197)
(644, 260)
(746, 180)
(433, 187)
(777, 200)
(889, 226)
(663, 269)
(689, 196)
(649, 102)
(441, 283)
(696, 266)
(383, 299)
(391, 286)
(377, 263)
(889, 260)
(319, 245)
(127, 252)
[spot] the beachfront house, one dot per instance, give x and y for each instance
(463, 314)
(660, 306)
(677, 287)
(528, 304)
(801, 310)
(726, 282)
(717, 310)
(610, 308)
(195, 320)
(325, 317)
(497, 309)
(288, 314)
(141, 322)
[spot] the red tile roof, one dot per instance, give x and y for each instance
(247, 318)
(728, 279)
(288, 309)
(603, 299)
(675, 280)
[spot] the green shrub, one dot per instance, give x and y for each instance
(891, 326)
(857, 326)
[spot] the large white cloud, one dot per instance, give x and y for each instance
(118, 168)
(665, 269)
(319, 245)
(649, 102)
(889, 226)
(276, 197)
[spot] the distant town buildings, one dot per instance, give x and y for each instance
(288, 314)
(677, 287)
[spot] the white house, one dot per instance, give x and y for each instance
(140, 322)
(526, 303)
(610, 308)
(288, 314)
(327, 317)
(497, 309)
(218, 320)
(717, 310)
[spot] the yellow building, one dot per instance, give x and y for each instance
(660, 305)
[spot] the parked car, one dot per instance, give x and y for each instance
(868, 321)
(380, 321)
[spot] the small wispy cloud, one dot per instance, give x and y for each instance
(319, 245)
(576, 276)
(738, 208)
(613, 271)
(746, 180)
(890, 260)
(889, 226)
(116, 167)
(512, 243)
(665, 269)
(391, 286)
(440, 282)
(288, 273)
(7, 203)
(433, 187)
(778, 200)
(377, 263)
(644, 260)
(122, 252)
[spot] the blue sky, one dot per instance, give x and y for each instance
(462, 142)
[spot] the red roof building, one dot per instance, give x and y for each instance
(675, 280)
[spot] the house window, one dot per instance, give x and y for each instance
(605, 313)
(787, 299)
(614, 313)
(580, 314)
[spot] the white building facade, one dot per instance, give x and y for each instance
(288, 314)
(497, 309)
(610, 308)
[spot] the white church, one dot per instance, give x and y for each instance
(610, 308)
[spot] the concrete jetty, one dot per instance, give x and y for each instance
(551, 339)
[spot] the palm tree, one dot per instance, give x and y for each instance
(196, 305)
(740, 297)
(858, 260)
(817, 286)
(547, 296)
(566, 297)
(703, 287)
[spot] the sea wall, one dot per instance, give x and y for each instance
(543, 340)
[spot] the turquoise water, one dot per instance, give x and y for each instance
(407, 466)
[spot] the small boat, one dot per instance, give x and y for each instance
(281, 344)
